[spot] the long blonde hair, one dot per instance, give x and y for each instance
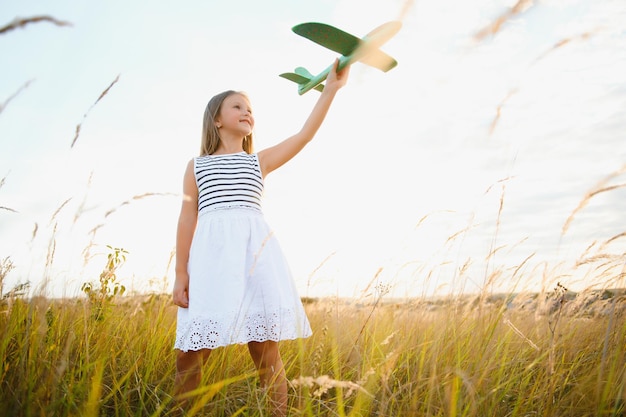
(210, 140)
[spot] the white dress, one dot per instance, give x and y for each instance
(240, 285)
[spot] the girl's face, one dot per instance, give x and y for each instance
(236, 116)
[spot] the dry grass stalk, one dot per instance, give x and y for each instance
(521, 265)
(20, 22)
(582, 37)
(494, 123)
(104, 93)
(86, 253)
(597, 258)
(317, 268)
(426, 216)
(81, 208)
(323, 383)
(494, 27)
(521, 334)
(460, 232)
(34, 233)
(58, 210)
(560, 293)
(3, 207)
(365, 293)
(135, 198)
(489, 278)
(598, 189)
(383, 290)
(6, 266)
(607, 336)
(92, 239)
(12, 96)
(614, 238)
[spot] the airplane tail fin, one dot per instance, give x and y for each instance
(301, 76)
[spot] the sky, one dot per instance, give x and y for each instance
(477, 153)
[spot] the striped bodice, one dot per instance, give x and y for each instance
(228, 181)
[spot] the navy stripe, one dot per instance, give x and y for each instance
(228, 181)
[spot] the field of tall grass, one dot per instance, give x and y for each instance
(551, 354)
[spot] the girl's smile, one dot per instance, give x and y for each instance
(236, 115)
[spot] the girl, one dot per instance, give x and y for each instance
(232, 282)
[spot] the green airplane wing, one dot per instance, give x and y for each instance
(344, 43)
(328, 36)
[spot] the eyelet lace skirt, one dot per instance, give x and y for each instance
(240, 285)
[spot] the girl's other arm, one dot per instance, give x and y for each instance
(184, 234)
(277, 155)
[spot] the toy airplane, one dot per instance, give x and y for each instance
(351, 48)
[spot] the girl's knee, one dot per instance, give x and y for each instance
(191, 359)
(263, 348)
(264, 352)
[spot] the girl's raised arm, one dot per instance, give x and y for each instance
(277, 155)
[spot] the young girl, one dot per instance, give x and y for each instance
(233, 285)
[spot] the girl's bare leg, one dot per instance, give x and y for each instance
(189, 371)
(268, 362)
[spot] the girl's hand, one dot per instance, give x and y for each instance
(180, 294)
(336, 80)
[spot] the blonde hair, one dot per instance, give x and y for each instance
(210, 140)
